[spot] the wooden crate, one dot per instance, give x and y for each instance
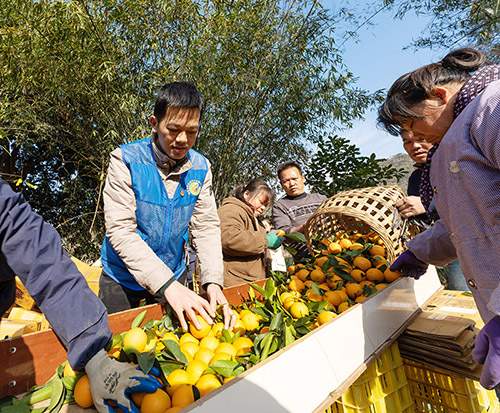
(322, 364)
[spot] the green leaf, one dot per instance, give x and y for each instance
(288, 336)
(296, 237)
(276, 321)
(251, 294)
(224, 367)
(146, 360)
(117, 339)
(8, 401)
(315, 288)
(168, 367)
(257, 288)
(173, 349)
(19, 408)
(269, 289)
(227, 336)
(57, 397)
(138, 319)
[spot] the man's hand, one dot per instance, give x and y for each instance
(409, 265)
(216, 297)
(410, 206)
(298, 229)
(487, 351)
(111, 380)
(183, 300)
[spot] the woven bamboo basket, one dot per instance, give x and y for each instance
(362, 210)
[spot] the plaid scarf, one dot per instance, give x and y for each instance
(467, 93)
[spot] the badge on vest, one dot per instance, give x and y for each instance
(194, 187)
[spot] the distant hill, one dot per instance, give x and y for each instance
(401, 160)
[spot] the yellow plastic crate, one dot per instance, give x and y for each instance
(434, 390)
(381, 388)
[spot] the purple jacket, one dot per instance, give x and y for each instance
(465, 174)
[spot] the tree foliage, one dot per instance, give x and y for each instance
(79, 77)
(338, 166)
(457, 23)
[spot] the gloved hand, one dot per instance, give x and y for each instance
(487, 351)
(409, 265)
(112, 380)
(273, 241)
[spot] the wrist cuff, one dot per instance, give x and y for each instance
(166, 285)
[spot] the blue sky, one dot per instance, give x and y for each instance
(378, 59)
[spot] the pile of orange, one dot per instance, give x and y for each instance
(346, 270)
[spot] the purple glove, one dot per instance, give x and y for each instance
(487, 351)
(409, 265)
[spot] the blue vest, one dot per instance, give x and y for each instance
(161, 222)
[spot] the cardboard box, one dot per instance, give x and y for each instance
(15, 328)
(23, 299)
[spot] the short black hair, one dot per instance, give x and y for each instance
(179, 95)
(287, 165)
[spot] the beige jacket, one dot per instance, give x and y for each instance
(244, 243)
(120, 220)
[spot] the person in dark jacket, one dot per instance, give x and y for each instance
(31, 249)
(244, 238)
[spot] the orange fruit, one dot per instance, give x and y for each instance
(204, 354)
(137, 398)
(190, 348)
(354, 290)
(207, 383)
(343, 306)
(333, 297)
(188, 337)
(317, 276)
(299, 310)
(227, 348)
(345, 243)
(239, 326)
(325, 316)
(334, 248)
(68, 371)
(335, 281)
(221, 356)
(312, 296)
(380, 286)
(243, 343)
(296, 285)
(184, 395)
(176, 378)
(291, 269)
(216, 329)
(358, 275)
(374, 274)
(82, 394)
(378, 260)
(195, 369)
(356, 246)
(209, 342)
(391, 276)
(174, 409)
(302, 274)
(343, 295)
(135, 338)
(360, 298)
(205, 328)
(362, 263)
(377, 250)
(320, 261)
(156, 402)
(250, 321)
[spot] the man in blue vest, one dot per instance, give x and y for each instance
(155, 189)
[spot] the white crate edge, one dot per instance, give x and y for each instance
(300, 377)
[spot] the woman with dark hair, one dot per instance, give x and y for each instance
(244, 238)
(455, 104)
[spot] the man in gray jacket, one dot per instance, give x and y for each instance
(292, 211)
